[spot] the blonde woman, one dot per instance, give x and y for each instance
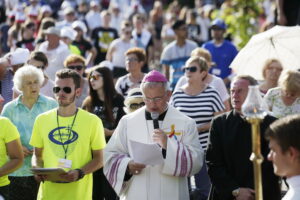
(285, 99)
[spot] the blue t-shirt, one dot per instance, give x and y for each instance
(223, 56)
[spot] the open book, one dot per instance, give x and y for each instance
(53, 174)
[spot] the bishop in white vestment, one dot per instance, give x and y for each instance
(177, 136)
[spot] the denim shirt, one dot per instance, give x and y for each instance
(23, 118)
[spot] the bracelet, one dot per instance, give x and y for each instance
(80, 174)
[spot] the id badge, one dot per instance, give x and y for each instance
(64, 163)
(216, 71)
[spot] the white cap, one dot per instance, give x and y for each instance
(19, 56)
(94, 3)
(68, 32)
(68, 10)
(46, 8)
(108, 64)
(79, 24)
(52, 30)
(33, 12)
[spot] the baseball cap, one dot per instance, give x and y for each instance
(79, 24)
(218, 23)
(53, 30)
(68, 32)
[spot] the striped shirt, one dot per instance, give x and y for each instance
(200, 107)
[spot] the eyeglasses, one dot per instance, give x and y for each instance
(76, 67)
(135, 106)
(67, 90)
(183, 28)
(41, 67)
(190, 69)
(131, 59)
(95, 77)
(156, 99)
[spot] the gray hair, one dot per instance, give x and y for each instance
(144, 85)
(27, 70)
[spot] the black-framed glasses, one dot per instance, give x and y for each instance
(95, 77)
(135, 106)
(190, 69)
(41, 67)
(67, 90)
(76, 67)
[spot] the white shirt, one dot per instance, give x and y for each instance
(294, 191)
(120, 47)
(56, 57)
(93, 19)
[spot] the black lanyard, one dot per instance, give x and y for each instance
(69, 131)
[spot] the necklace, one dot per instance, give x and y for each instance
(69, 132)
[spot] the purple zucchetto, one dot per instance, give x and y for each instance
(154, 76)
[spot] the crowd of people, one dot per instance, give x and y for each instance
(87, 86)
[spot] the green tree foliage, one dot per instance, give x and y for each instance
(241, 16)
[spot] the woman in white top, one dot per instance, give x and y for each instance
(210, 79)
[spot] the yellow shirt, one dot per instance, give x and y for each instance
(76, 142)
(8, 133)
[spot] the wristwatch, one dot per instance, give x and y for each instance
(236, 192)
(80, 174)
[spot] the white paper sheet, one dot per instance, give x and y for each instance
(148, 154)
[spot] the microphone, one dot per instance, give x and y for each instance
(154, 116)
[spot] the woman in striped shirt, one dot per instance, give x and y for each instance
(201, 102)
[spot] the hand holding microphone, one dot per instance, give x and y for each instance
(158, 135)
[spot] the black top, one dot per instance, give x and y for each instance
(228, 156)
(101, 38)
(83, 45)
(26, 44)
(118, 112)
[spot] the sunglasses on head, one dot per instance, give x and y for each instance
(135, 106)
(77, 67)
(95, 77)
(67, 90)
(190, 69)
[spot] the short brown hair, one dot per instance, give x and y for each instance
(39, 56)
(286, 132)
(139, 52)
(69, 73)
(73, 58)
(252, 81)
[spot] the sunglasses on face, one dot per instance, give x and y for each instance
(190, 69)
(135, 106)
(67, 90)
(95, 77)
(40, 67)
(77, 67)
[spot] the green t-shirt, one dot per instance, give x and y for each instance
(79, 140)
(8, 133)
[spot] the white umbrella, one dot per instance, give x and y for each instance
(279, 42)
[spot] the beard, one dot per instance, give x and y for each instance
(67, 102)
